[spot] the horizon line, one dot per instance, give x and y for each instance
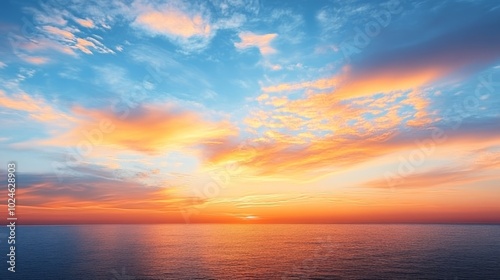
(250, 223)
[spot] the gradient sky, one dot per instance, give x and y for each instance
(251, 111)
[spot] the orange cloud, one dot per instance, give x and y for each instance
(352, 84)
(148, 129)
(472, 172)
(59, 32)
(315, 112)
(97, 200)
(358, 82)
(40, 45)
(85, 22)
(430, 179)
(35, 59)
(300, 156)
(349, 84)
(84, 45)
(57, 39)
(37, 108)
(262, 42)
(173, 22)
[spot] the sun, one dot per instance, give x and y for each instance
(250, 217)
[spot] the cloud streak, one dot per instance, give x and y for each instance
(47, 200)
(36, 108)
(149, 129)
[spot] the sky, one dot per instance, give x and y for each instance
(229, 111)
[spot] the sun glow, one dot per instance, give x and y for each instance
(251, 217)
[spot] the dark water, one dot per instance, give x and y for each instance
(255, 252)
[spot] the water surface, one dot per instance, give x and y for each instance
(216, 251)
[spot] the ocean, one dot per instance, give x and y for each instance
(254, 251)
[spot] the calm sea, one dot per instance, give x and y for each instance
(216, 251)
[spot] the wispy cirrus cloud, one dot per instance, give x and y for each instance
(36, 108)
(267, 200)
(88, 44)
(40, 50)
(66, 38)
(52, 30)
